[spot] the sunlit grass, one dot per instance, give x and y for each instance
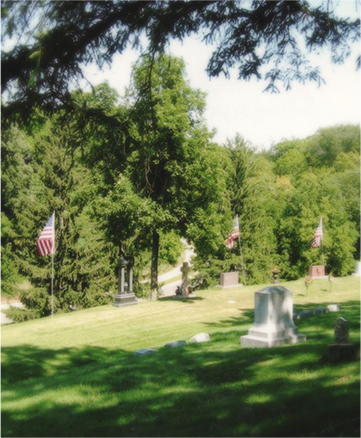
(77, 374)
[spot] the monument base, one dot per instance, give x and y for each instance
(229, 287)
(183, 297)
(342, 352)
(265, 339)
(126, 299)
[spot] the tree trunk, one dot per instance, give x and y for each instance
(154, 268)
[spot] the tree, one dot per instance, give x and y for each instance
(264, 39)
(53, 179)
(168, 155)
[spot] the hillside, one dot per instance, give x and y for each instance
(77, 374)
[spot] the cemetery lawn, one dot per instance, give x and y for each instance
(77, 374)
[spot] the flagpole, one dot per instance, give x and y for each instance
(323, 257)
(52, 284)
(240, 248)
(52, 267)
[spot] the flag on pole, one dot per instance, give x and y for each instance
(46, 241)
(317, 238)
(234, 234)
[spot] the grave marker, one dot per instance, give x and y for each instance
(125, 295)
(229, 279)
(184, 288)
(273, 323)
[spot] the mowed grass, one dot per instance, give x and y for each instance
(77, 374)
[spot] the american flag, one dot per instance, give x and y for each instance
(318, 235)
(235, 233)
(46, 241)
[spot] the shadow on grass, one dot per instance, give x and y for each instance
(177, 298)
(197, 390)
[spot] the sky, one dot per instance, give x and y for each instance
(235, 107)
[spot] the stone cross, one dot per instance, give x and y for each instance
(185, 269)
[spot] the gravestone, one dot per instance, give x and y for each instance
(320, 310)
(333, 307)
(200, 337)
(229, 279)
(125, 295)
(273, 324)
(306, 314)
(316, 271)
(175, 344)
(145, 351)
(342, 350)
(357, 270)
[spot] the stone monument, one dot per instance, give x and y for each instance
(342, 350)
(229, 279)
(273, 323)
(316, 271)
(125, 295)
(184, 288)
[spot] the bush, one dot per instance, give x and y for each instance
(18, 314)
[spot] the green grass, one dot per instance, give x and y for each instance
(77, 374)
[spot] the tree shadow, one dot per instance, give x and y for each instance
(180, 299)
(211, 389)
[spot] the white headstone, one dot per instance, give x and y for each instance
(357, 270)
(333, 308)
(201, 337)
(273, 323)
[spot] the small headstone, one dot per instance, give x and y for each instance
(306, 313)
(175, 344)
(341, 331)
(229, 279)
(316, 271)
(145, 351)
(200, 337)
(231, 302)
(320, 310)
(333, 308)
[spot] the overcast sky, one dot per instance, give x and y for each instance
(235, 106)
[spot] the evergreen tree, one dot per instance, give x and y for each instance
(83, 271)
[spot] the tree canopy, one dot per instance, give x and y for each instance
(46, 43)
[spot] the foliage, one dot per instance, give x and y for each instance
(83, 272)
(17, 314)
(142, 174)
(170, 248)
(318, 188)
(268, 40)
